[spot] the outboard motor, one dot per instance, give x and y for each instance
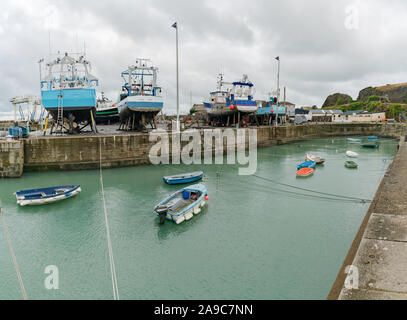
(162, 211)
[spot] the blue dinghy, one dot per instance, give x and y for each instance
(46, 195)
(184, 178)
(307, 164)
(183, 204)
(373, 138)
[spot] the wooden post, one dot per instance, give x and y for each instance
(93, 122)
(46, 124)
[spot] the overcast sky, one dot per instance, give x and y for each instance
(326, 46)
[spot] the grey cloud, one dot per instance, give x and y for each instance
(319, 55)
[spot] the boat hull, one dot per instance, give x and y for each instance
(305, 172)
(72, 99)
(308, 164)
(191, 210)
(28, 197)
(140, 104)
(351, 164)
(352, 154)
(181, 179)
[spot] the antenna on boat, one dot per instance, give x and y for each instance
(49, 44)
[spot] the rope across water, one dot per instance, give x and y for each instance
(13, 256)
(109, 242)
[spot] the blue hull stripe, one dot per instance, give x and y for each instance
(144, 104)
(71, 98)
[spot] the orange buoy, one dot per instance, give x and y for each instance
(305, 172)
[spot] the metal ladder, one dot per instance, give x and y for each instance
(60, 117)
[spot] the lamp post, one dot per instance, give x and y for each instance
(175, 25)
(278, 89)
(39, 65)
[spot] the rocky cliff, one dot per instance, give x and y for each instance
(395, 93)
(337, 99)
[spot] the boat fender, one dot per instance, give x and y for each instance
(180, 220)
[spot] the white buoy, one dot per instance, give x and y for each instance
(197, 210)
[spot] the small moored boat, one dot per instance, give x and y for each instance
(352, 154)
(371, 145)
(315, 158)
(183, 204)
(307, 164)
(46, 195)
(184, 178)
(351, 164)
(354, 140)
(372, 138)
(305, 172)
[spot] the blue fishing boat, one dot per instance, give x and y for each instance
(68, 94)
(140, 100)
(307, 164)
(184, 178)
(236, 99)
(182, 205)
(373, 138)
(46, 195)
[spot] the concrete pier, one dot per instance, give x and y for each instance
(379, 251)
(11, 159)
(79, 152)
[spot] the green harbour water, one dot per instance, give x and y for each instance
(254, 240)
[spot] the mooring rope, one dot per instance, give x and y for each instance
(13, 256)
(109, 242)
(338, 197)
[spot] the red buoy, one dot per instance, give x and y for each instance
(206, 198)
(232, 107)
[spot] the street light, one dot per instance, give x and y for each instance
(278, 88)
(175, 25)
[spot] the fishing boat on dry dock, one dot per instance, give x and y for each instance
(184, 178)
(182, 205)
(227, 104)
(106, 111)
(140, 100)
(68, 94)
(46, 195)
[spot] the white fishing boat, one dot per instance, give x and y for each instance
(237, 98)
(354, 140)
(141, 99)
(182, 205)
(352, 154)
(314, 158)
